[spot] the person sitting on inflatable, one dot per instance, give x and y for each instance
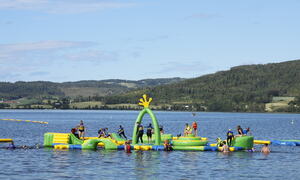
(74, 131)
(239, 130)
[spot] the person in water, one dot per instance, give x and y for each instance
(230, 137)
(187, 129)
(121, 132)
(195, 126)
(225, 148)
(81, 129)
(140, 132)
(265, 149)
(167, 146)
(149, 132)
(74, 131)
(239, 130)
(127, 147)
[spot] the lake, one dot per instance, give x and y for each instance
(282, 163)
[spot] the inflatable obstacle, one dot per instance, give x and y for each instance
(70, 141)
(279, 142)
(19, 120)
(115, 142)
(6, 140)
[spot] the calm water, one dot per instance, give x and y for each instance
(282, 163)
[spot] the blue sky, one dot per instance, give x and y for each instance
(70, 40)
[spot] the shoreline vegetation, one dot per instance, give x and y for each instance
(278, 104)
(271, 87)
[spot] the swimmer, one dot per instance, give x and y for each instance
(127, 147)
(167, 146)
(265, 149)
(225, 148)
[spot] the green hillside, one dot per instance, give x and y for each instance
(20, 89)
(251, 88)
(243, 88)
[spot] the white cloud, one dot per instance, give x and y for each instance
(33, 50)
(63, 6)
(47, 52)
(36, 59)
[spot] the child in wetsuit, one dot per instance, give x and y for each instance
(121, 132)
(229, 137)
(149, 132)
(140, 132)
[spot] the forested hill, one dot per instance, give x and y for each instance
(12, 91)
(242, 88)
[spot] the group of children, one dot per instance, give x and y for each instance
(190, 129)
(79, 132)
(149, 132)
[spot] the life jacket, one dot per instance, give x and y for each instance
(121, 130)
(194, 125)
(229, 133)
(128, 150)
(81, 127)
(141, 128)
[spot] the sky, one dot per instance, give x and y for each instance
(71, 40)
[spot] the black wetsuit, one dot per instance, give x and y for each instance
(140, 133)
(122, 132)
(229, 137)
(149, 131)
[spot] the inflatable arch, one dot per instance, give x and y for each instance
(144, 102)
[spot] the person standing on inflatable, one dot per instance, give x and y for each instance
(230, 137)
(195, 126)
(140, 132)
(81, 129)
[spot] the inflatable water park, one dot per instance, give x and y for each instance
(189, 142)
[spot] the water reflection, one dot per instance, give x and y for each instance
(147, 164)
